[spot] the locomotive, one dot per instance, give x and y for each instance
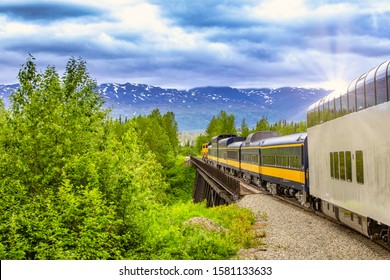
(339, 167)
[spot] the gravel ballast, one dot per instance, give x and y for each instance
(296, 234)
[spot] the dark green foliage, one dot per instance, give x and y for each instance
(221, 124)
(262, 125)
(160, 134)
(172, 238)
(71, 189)
(187, 150)
(244, 129)
(75, 184)
(283, 127)
(181, 181)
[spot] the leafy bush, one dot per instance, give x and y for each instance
(70, 189)
(169, 238)
(76, 185)
(181, 181)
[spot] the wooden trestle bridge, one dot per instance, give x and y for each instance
(215, 186)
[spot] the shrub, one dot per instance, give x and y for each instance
(169, 238)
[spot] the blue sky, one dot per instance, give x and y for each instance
(190, 43)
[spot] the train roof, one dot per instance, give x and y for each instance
(296, 138)
(235, 144)
(215, 139)
(255, 138)
(227, 141)
(363, 91)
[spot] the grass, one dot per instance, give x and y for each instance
(169, 238)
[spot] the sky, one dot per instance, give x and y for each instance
(192, 43)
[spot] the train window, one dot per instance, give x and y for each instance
(321, 111)
(232, 155)
(342, 165)
(388, 81)
(359, 167)
(312, 115)
(337, 107)
(269, 160)
(351, 97)
(331, 166)
(348, 166)
(360, 99)
(294, 161)
(370, 88)
(278, 160)
(317, 115)
(344, 103)
(336, 165)
(331, 109)
(381, 84)
(327, 108)
(309, 118)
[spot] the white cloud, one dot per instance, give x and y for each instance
(278, 10)
(269, 43)
(15, 28)
(140, 17)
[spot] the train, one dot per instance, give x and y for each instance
(340, 166)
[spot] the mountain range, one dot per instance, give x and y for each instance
(195, 107)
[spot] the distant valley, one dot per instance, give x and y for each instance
(194, 108)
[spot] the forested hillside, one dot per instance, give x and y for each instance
(224, 123)
(75, 184)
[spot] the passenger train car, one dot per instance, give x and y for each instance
(339, 167)
(265, 158)
(349, 153)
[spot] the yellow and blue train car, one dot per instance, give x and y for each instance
(229, 154)
(251, 155)
(213, 149)
(284, 162)
(264, 158)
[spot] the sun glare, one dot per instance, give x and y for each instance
(333, 84)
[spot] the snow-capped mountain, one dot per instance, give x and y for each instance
(194, 108)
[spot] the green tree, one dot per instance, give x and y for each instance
(200, 140)
(222, 124)
(262, 125)
(244, 128)
(71, 187)
(171, 129)
(53, 120)
(160, 134)
(75, 184)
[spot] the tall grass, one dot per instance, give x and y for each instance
(169, 237)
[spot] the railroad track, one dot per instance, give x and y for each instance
(371, 243)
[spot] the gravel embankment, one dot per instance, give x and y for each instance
(295, 234)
